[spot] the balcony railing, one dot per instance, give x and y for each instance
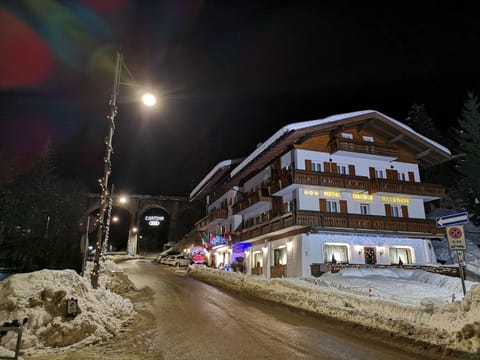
(364, 147)
(214, 215)
(404, 187)
(286, 178)
(324, 220)
(252, 199)
(312, 178)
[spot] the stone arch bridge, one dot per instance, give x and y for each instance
(181, 213)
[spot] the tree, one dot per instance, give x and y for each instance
(468, 136)
(419, 120)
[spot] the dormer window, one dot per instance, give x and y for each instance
(368, 138)
(347, 136)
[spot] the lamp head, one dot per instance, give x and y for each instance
(149, 99)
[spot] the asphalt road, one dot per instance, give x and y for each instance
(193, 320)
(182, 318)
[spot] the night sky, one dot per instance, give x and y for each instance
(230, 74)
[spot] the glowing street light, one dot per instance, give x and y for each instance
(149, 100)
(123, 199)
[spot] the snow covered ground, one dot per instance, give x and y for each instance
(411, 303)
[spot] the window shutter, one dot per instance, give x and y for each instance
(308, 165)
(343, 206)
(411, 176)
(351, 170)
(334, 167)
(326, 166)
(323, 205)
(405, 211)
(388, 210)
(372, 172)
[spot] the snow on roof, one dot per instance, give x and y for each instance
(305, 124)
(221, 165)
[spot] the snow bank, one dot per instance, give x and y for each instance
(449, 326)
(41, 297)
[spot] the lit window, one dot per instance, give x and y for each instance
(368, 138)
(347, 136)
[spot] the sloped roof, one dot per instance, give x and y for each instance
(428, 151)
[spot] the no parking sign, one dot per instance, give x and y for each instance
(456, 237)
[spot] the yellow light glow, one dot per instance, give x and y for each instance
(311, 192)
(362, 196)
(149, 99)
(394, 199)
(334, 194)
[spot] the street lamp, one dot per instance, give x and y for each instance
(149, 100)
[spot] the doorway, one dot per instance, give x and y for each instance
(370, 255)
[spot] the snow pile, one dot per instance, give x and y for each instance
(410, 304)
(42, 296)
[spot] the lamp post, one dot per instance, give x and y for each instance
(148, 100)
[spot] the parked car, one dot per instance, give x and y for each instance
(178, 260)
(164, 260)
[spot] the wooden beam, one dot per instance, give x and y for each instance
(396, 138)
(362, 126)
(422, 154)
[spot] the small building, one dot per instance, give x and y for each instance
(345, 189)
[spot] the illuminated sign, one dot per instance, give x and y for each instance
(154, 220)
(397, 200)
(362, 197)
(334, 194)
(311, 192)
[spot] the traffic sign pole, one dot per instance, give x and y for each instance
(460, 269)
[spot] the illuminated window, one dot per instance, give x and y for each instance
(368, 138)
(280, 256)
(400, 255)
(332, 206)
(347, 136)
(257, 259)
(335, 253)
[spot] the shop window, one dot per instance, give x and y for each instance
(257, 259)
(280, 256)
(335, 254)
(400, 256)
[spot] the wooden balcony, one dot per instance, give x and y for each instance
(256, 197)
(364, 147)
(312, 178)
(214, 216)
(404, 187)
(349, 222)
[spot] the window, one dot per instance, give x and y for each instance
(364, 209)
(402, 176)
(396, 210)
(342, 169)
(335, 253)
(257, 259)
(332, 206)
(368, 138)
(280, 256)
(379, 173)
(347, 136)
(316, 166)
(400, 256)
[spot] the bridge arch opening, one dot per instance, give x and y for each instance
(154, 227)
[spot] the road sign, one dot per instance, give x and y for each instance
(454, 219)
(456, 237)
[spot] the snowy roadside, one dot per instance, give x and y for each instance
(411, 304)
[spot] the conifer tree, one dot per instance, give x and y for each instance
(468, 136)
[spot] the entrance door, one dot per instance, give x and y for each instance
(370, 255)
